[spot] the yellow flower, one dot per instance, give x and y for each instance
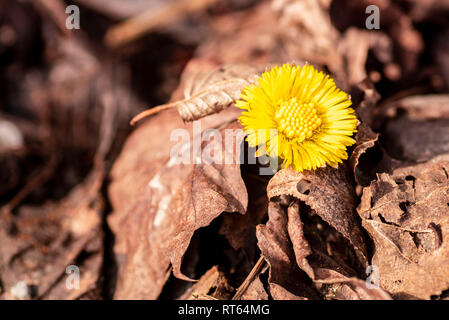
(298, 114)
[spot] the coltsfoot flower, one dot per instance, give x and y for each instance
(312, 119)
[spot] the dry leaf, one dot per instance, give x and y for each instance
(209, 92)
(255, 291)
(365, 139)
(212, 91)
(240, 230)
(319, 231)
(212, 285)
(174, 200)
(419, 128)
(208, 191)
(342, 288)
(283, 242)
(368, 156)
(355, 45)
(425, 107)
(324, 255)
(298, 20)
(329, 192)
(366, 99)
(250, 36)
(45, 240)
(406, 215)
(286, 280)
(395, 21)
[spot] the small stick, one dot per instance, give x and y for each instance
(244, 286)
(32, 184)
(150, 112)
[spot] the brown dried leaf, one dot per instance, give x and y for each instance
(405, 213)
(343, 288)
(209, 92)
(364, 97)
(319, 250)
(174, 201)
(330, 193)
(304, 16)
(249, 36)
(366, 139)
(419, 128)
(239, 230)
(354, 46)
(209, 190)
(286, 280)
(300, 18)
(212, 91)
(255, 291)
(212, 285)
(323, 254)
(395, 22)
(313, 261)
(425, 107)
(43, 241)
(368, 156)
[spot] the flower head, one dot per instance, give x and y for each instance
(298, 114)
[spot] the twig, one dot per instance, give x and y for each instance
(43, 176)
(254, 272)
(150, 19)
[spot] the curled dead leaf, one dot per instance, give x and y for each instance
(208, 92)
(329, 192)
(368, 156)
(317, 249)
(365, 139)
(356, 44)
(172, 201)
(323, 254)
(405, 214)
(286, 280)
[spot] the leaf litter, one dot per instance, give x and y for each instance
(82, 189)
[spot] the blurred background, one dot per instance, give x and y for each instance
(67, 96)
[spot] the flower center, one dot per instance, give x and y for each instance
(297, 120)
